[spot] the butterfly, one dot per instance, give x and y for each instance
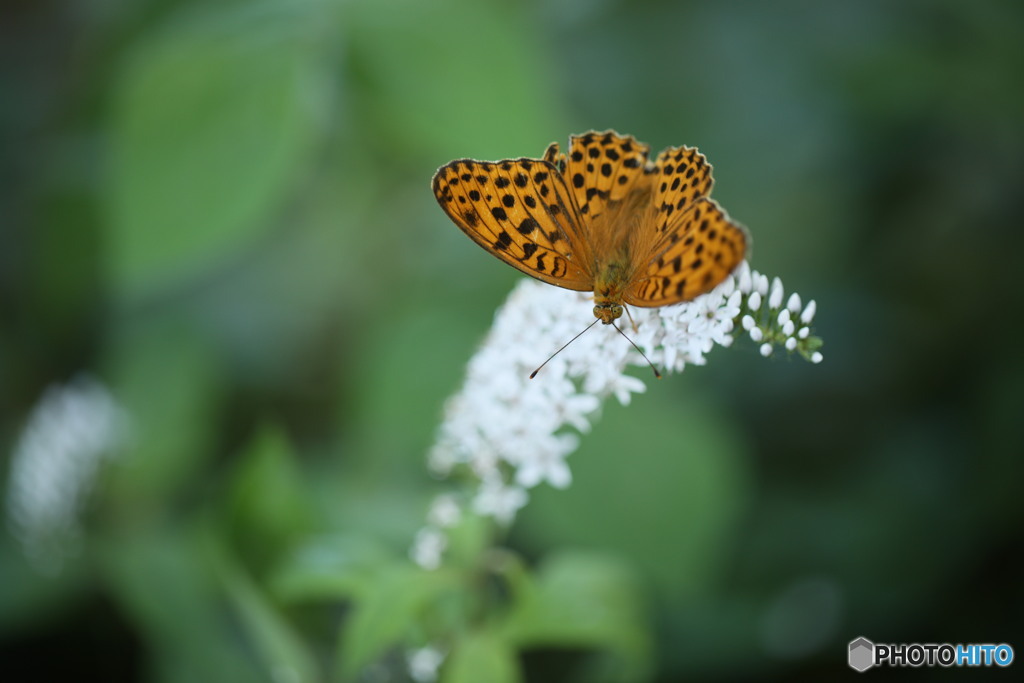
(601, 218)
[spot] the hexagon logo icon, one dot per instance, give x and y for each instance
(862, 654)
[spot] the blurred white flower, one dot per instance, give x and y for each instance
(54, 465)
(547, 467)
(499, 500)
(424, 663)
(444, 511)
(513, 432)
(428, 546)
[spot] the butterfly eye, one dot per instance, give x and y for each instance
(607, 312)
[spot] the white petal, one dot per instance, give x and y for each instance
(761, 284)
(775, 298)
(743, 280)
(808, 315)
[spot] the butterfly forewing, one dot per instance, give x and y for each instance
(698, 252)
(603, 169)
(519, 210)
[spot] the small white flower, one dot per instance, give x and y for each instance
(428, 547)
(794, 303)
(444, 511)
(788, 328)
(791, 344)
(756, 335)
(424, 664)
(495, 499)
(766, 350)
(804, 332)
(783, 317)
(485, 464)
(550, 468)
(747, 323)
(816, 357)
(624, 386)
(754, 301)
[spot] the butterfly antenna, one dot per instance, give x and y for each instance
(657, 375)
(534, 373)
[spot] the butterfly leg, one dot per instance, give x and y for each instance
(631, 321)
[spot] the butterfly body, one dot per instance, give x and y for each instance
(610, 280)
(602, 218)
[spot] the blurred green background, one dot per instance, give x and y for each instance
(222, 212)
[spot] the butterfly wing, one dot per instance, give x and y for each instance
(522, 212)
(603, 169)
(699, 249)
(682, 176)
(555, 157)
(695, 245)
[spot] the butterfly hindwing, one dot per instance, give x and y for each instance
(683, 175)
(521, 211)
(554, 156)
(698, 252)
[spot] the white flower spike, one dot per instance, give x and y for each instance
(55, 462)
(514, 433)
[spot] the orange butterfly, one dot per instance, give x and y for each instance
(604, 219)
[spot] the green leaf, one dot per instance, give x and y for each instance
(468, 540)
(212, 121)
(283, 653)
(329, 568)
(482, 656)
(662, 482)
(164, 582)
(269, 506)
(167, 377)
(581, 600)
(465, 95)
(385, 612)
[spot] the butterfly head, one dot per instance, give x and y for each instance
(607, 311)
